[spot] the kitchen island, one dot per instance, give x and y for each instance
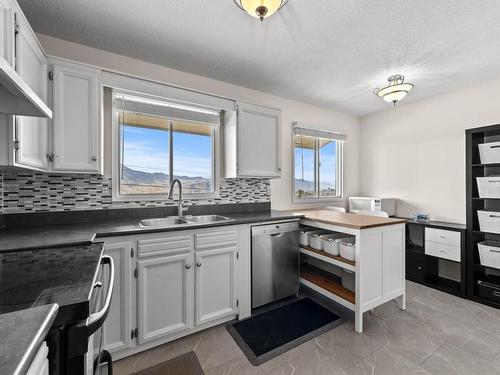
(379, 264)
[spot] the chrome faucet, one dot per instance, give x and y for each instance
(180, 206)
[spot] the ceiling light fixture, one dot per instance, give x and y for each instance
(261, 8)
(395, 91)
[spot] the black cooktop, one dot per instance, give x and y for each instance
(62, 275)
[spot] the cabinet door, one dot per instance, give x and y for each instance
(31, 64)
(117, 327)
(214, 291)
(76, 123)
(165, 295)
(258, 141)
(7, 31)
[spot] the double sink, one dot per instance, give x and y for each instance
(179, 221)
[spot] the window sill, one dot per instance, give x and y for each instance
(317, 200)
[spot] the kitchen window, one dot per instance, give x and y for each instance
(158, 141)
(318, 165)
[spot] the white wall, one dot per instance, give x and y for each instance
(281, 189)
(416, 152)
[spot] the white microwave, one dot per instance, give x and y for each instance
(357, 204)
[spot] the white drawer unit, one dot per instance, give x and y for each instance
(220, 238)
(443, 244)
(442, 236)
(165, 245)
(444, 251)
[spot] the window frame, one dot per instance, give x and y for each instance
(339, 177)
(116, 157)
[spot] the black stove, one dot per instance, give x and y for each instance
(67, 276)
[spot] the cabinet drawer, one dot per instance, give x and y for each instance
(215, 239)
(446, 237)
(165, 245)
(441, 250)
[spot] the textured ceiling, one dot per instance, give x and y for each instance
(326, 52)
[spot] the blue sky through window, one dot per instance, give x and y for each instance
(305, 168)
(146, 150)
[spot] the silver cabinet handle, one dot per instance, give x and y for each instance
(188, 266)
(93, 158)
(95, 320)
(198, 264)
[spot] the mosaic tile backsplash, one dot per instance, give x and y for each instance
(25, 191)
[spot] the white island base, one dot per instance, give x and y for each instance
(379, 267)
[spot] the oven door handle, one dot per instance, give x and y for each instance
(96, 320)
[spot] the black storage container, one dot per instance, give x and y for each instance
(488, 291)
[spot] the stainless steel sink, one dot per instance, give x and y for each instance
(174, 221)
(204, 219)
(168, 221)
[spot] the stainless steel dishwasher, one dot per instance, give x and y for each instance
(275, 262)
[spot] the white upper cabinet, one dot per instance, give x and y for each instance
(7, 31)
(252, 142)
(31, 133)
(77, 126)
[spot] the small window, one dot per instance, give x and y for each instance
(318, 165)
(158, 142)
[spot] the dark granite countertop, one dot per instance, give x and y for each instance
(437, 224)
(44, 236)
(36, 237)
(22, 333)
(62, 275)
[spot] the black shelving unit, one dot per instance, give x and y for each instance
(478, 275)
(426, 269)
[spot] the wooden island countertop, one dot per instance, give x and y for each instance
(347, 220)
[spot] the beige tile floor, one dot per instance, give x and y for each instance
(438, 334)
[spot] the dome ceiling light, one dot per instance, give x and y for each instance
(261, 8)
(395, 91)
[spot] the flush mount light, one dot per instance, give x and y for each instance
(395, 91)
(261, 8)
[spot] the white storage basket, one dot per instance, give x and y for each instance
(331, 243)
(303, 236)
(489, 221)
(489, 152)
(348, 280)
(315, 240)
(489, 253)
(488, 187)
(348, 248)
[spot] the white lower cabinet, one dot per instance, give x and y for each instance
(168, 285)
(165, 296)
(117, 327)
(214, 293)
